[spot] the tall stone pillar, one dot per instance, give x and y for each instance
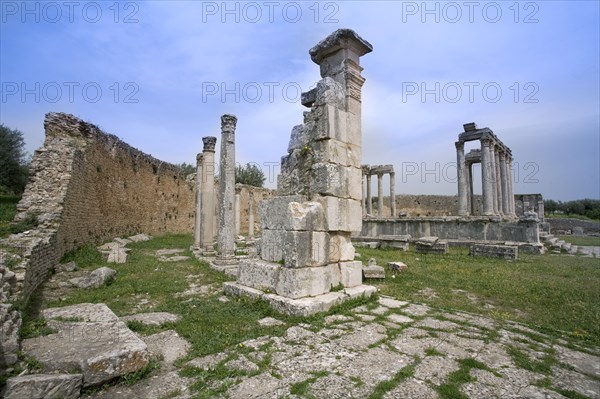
(511, 193)
(198, 213)
(364, 194)
(470, 201)
(226, 238)
(238, 215)
(504, 182)
(393, 194)
(251, 215)
(493, 177)
(462, 179)
(487, 177)
(499, 192)
(369, 199)
(207, 196)
(379, 195)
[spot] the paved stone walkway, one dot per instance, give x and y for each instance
(396, 348)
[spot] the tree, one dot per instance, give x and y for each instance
(249, 174)
(13, 160)
(187, 168)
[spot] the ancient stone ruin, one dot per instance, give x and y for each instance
(496, 171)
(306, 249)
(379, 170)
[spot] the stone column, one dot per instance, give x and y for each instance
(499, 192)
(511, 194)
(470, 202)
(379, 195)
(393, 194)
(504, 183)
(369, 199)
(207, 196)
(493, 177)
(250, 215)
(364, 195)
(198, 214)
(226, 239)
(462, 179)
(238, 215)
(487, 177)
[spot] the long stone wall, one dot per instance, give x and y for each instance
(86, 187)
(558, 225)
(453, 228)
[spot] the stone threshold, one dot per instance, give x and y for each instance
(303, 306)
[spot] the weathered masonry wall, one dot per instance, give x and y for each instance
(453, 228)
(258, 195)
(86, 186)
(557, 226)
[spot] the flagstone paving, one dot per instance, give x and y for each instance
(403, 350)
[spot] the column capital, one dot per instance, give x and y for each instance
(486, 142)
(199, 157)
(502, 156)
(209, 143)
(460, 145)
(228, 120)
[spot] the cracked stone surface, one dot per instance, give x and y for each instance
(351, 355)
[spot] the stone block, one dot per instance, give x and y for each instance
(494, 251)
(428, 241)
(397, 266)
(336, 180)
(336, 274)
(341, 214)
(305, 216)
(440, 247)
(100, 347)
(340, 247)
(302, 282)
(305, 248)
(258, 274)
(373, 271)
(335, 151)
(65, 386)
(95, 279)
(298, 138)
(152, 318)
(351, 273)
(271, 245)
(273, 211)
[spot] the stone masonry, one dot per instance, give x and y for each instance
(86, 186)
(208, 196)
(306, 248)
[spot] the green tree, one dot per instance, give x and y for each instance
(187, 168)
(13, 161)
(249, 174)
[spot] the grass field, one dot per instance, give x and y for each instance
(558, 294)
(582, 240)
(8, 210)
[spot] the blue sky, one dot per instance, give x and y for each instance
(159, 74)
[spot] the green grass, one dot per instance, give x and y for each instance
(582, 240)
(552, 292)
(8, 210)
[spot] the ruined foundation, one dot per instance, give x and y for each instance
(305, 249)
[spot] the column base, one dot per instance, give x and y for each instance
(303, 306)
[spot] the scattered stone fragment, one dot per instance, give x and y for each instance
(66, 267)
(168, 344)
(270, 322)
(397, 267)
(95, 279)
(65, 386)
(122, 241)
(152, 318)
(140, 238)
(372, 270)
